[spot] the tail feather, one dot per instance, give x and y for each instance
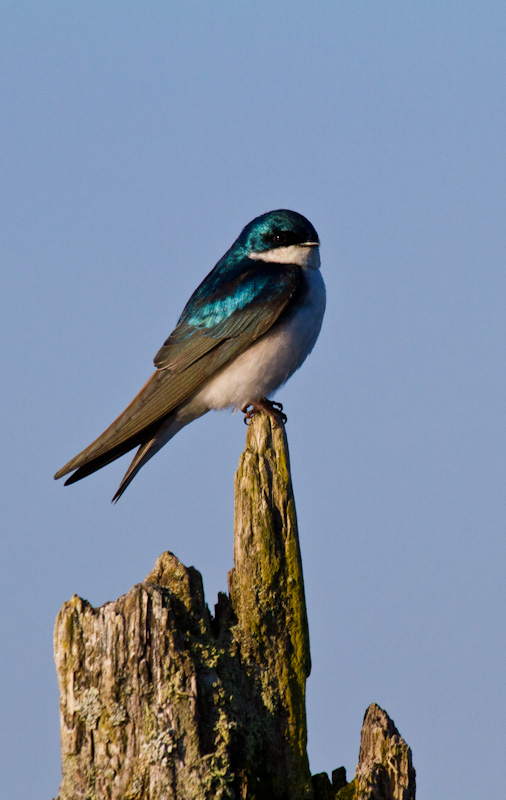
(107, 458)
(103, 460)
(171, 425)
(149, 440)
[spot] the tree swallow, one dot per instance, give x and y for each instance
(244, 331)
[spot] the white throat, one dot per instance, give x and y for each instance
(303, 255)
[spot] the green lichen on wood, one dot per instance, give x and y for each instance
(267, 594)
(347, 792)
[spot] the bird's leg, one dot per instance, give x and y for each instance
(273, 409)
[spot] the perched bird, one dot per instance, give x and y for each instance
(245, 330)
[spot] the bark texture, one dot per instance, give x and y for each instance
(159, 700)
(385, 769)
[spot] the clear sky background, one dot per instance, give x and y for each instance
(137, 139)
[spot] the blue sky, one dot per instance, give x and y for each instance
(137, 139)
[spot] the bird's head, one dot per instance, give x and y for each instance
(282, 236)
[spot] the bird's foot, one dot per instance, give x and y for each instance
(273, 409)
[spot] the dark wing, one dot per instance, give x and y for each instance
(212, 330)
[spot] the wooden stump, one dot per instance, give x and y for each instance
(159, 700)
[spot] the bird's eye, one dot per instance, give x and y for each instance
(279, 238)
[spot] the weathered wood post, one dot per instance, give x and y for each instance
(159, 700)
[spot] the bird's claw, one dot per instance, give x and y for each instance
(271, 407)
(248, 414)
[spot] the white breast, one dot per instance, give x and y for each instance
(273, 358)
